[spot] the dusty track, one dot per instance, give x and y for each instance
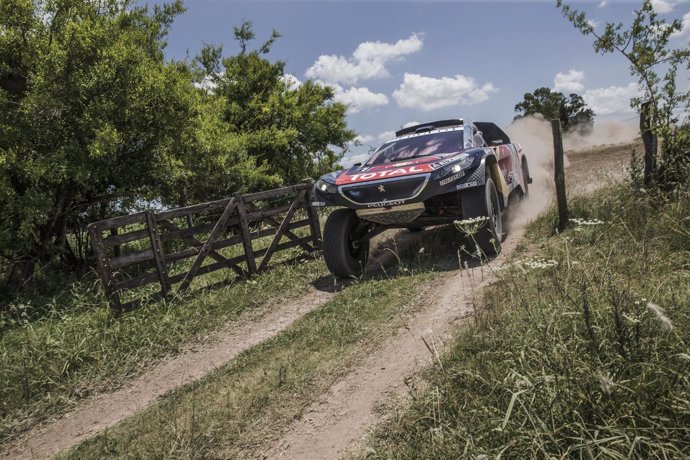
(103, 411)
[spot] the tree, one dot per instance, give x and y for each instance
(646, 45)
(90, 114)
(94, 122)
(572, 110)
(297, 131)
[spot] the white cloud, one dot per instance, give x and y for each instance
(207, 84)
(428, 93)
(570, 82)
(358, 99)
(368, 61)
(411, 123)
(365, 139)
(386, 136)
(663, 6)
(603, 4)
(614, 100)
(684, 27)
(593, 23)
(290, 81)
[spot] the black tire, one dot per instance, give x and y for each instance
(345, 256)
(483, 202)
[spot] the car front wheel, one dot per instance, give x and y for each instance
(483, 202)
(344, 251)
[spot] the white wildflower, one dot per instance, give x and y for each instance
(473, 220)
(536, 263)
(587, 223)
(606, 382)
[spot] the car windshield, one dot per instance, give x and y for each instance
(417, 146)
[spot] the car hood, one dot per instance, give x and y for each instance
(402, 168)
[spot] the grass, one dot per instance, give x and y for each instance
(580, 351)
(78, 347)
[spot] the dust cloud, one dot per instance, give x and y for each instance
(534, 134)
(603, 133)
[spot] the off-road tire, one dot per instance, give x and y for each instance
(483, 202)
(345, 257)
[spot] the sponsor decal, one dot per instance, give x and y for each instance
(391, 172)
(386, 204)
(318, 203)
(440, 164)
(452, 178)
(466, 185)
(382, 189)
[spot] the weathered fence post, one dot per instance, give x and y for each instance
(157, 249)
(313, 215)
(649, 140)
(105, 273)
(246, 237)
(559, 174)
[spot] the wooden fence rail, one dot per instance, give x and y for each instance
(164, 238)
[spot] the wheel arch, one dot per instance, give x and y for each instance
(490, 162)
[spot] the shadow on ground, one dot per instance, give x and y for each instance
(402, 253)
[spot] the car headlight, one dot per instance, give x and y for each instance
(325, 186)
(464, 162)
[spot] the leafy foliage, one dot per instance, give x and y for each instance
(89, 113)
(94, 122)
(572, 110)
(295, 129)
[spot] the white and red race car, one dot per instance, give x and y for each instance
(430, 174)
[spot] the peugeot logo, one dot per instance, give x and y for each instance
(382, 189)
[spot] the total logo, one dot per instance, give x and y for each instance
(414, 169)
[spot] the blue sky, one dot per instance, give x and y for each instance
(396, 62)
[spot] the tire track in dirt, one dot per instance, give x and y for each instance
(105, 410)
(342, 415)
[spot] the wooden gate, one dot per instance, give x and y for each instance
(147, 247)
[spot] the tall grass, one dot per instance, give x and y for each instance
(582, 350)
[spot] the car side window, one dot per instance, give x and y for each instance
(479, 140)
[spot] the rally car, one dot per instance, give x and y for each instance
(429, 174)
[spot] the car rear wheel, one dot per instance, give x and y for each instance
(483, 202)
(344, 251)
